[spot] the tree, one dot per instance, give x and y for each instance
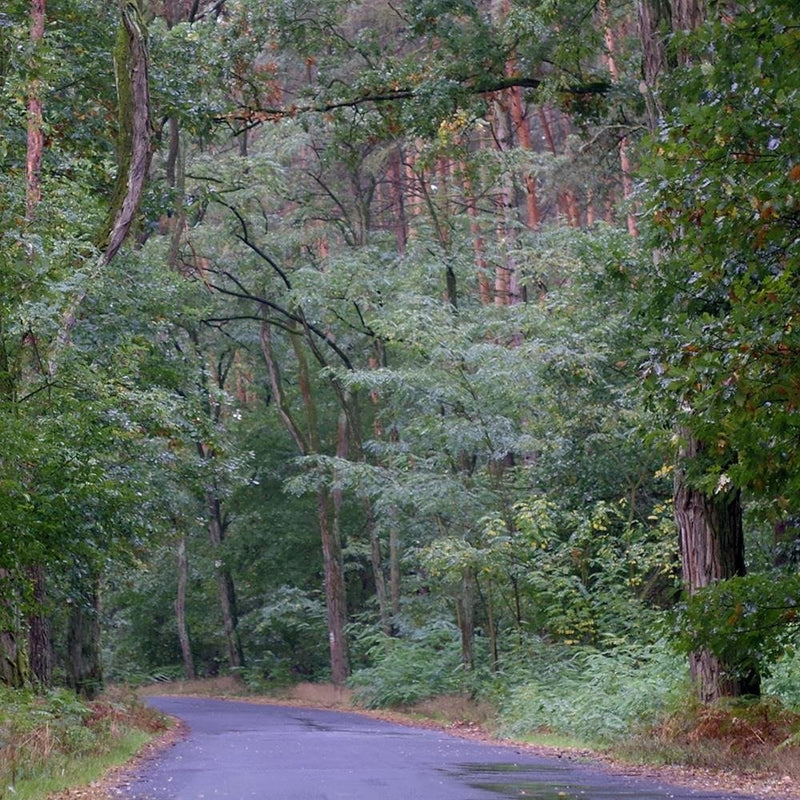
(725, 222)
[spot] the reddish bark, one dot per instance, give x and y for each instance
(35, 150)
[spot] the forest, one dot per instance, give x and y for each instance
(423, 347)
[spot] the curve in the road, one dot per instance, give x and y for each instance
(241, 750)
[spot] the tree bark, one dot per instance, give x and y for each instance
(180, 610)
(35, 150)
(133, 148)
(83, 666)
(709, 525)
(13, 656)
(40, 641)
(227, 592)
(335, 597)
(332, 562)
(624, 155)
(466, 618)
(712, 549)
(394, 569)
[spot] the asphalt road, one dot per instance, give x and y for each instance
(242, 750)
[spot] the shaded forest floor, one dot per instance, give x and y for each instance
(751, 750)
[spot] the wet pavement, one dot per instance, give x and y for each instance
(243, 750)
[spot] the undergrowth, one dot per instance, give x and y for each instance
(43, 736)
(595, 696)
(406, 670)
(745, 735)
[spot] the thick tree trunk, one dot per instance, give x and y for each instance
(40, 642)
(180, 611)
(709, 526)
(83, 664)
(712, 549)
(13, 655)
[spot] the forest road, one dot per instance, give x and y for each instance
(243, 750)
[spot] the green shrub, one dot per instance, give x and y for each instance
(405, 670)
(597, 696)
(784, 680)
(41, 736)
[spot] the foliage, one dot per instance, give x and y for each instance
(40, 735)
(724, 208)
(783, 680)
(748, 622)
(594, 695)
(425, 664)
(289, 636)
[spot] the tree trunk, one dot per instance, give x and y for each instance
(83, 665)
(35, 150)
(13, 656)
(332, 562)
(394, 569)
(624, 156)
(227, 592)
(466, 618)
(709, 526)
(398, 205)
(335, 598)
(180, 610)
(40, 642)
(133, 147)
(712, 549)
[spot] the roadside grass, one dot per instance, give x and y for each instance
(65, 773)
(54, 741)
(746, 736)
(219, 686)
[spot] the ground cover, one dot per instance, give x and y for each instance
(54, 741)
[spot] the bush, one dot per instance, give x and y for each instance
(404, 671)
(596, 696)
(41, 734)
(287, 639)
(784, 681)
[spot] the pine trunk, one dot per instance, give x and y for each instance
(40, 642)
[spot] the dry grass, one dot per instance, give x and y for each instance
(41, 736)
(319, 695)
(221, 686)
(454, 710)
(755, 737)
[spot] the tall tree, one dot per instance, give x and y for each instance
(723, 256)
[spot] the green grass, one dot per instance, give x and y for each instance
(54, 740)
(66, 773)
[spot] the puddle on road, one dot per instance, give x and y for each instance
(509, 779)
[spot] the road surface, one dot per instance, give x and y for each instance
(243, 750)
